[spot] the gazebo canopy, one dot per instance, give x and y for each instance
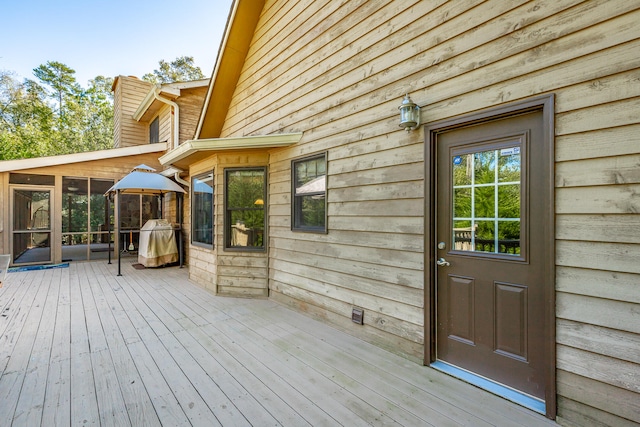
(144, 180)
(141, 180)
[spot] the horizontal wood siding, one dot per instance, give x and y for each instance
(228, 272)
(108, 168)
(338, 70)
(190, 102)
(240, 273)
(165, 125)
(129, 93)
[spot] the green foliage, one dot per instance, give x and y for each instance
(54, 115)
(181, 69)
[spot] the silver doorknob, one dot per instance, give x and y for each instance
(443, 262)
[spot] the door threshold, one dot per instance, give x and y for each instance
(505, 392)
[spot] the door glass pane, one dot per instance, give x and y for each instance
(487, 201)
(484, 201)
(462, 169)
(31, 226)
(75, 203)
(484, 167)
(462, 202)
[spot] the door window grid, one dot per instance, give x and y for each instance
(486, 201)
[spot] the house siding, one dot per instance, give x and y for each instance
(233, 272)
(165, 119)
(338, 71)
(128, 94)
(190, 103)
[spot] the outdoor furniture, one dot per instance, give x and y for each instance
(142, 180)
(157, 245)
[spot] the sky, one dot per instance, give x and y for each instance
(109, 38)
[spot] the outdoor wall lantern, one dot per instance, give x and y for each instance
(409, 114)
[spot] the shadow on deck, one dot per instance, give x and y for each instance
(79, 345)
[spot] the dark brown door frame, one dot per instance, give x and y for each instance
(546, 103)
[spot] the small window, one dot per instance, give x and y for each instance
(202, 210)
(309, 210)
(245, 191)
(154, 131)
(31, 179)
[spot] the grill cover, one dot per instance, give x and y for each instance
(157, 244)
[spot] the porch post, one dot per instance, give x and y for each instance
(108, 228)
(118, 229)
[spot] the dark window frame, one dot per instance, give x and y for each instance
(194, 215)
(228, 211)
(154, 131)
(296, 200)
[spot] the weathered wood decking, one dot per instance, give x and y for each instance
(80, 346)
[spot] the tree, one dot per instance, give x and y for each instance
(96, 103)
(26, 120)
(54, 115)
(62, 81)
(179, 70)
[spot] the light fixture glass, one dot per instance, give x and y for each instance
(409, 114)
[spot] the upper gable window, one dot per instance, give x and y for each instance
(309, 210)
(154, 131)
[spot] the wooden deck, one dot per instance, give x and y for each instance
(80, 346)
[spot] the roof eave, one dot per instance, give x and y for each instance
(150, 98)
(192, 147)
(64, 159)
(234, 47)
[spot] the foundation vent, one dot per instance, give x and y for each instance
(357, 315)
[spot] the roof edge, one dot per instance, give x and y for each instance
(241, 25)
(174, 89)
(188, 148)
(40, 162)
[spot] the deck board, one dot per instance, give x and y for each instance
(80, 345)
(57, 402)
